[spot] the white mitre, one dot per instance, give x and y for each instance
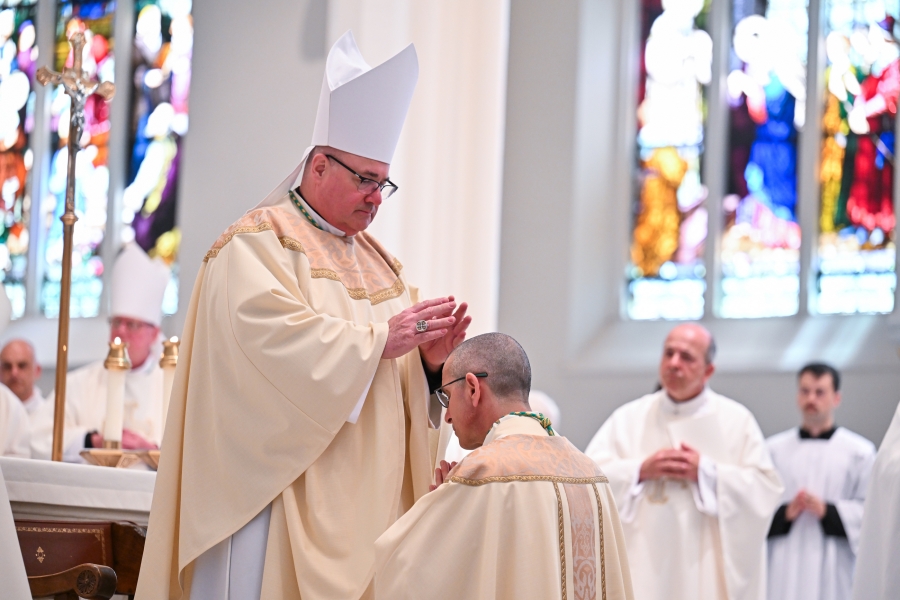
(361, 108)
(138, 285)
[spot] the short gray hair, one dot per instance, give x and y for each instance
(502, 357)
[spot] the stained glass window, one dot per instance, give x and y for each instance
(856, 246)
(666, 271)
(18, 58)
(766, 91)
(163, 42)
(95, 20)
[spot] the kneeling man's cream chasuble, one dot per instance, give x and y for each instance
(284, 336)
(525, 517)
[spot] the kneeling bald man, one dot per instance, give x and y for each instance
(526, 515)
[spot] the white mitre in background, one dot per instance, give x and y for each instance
(361, 108)
(137, 285)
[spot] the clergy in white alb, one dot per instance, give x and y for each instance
(298, 428)
(19, 370)
(825, 469)
(525, 516)
(15, 434)
(877, 576)
(137, 287)
(693, 481)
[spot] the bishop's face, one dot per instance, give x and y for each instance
(138, 336)
(340, 201)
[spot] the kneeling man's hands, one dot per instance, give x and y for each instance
(441, 474)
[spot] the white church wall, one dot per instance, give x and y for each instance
(565, 230)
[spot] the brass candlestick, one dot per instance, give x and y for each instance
(169, 356)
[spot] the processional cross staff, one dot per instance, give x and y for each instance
(79, 87)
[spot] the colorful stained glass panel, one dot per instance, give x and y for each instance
(18, 64)
(766, 91)
(163, 43)
(95, 20)
(856, 246)
(666, 272)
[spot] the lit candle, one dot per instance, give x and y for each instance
(167, 363)
(117, 364)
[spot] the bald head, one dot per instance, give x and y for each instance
(687, 361)
(504, 360)
(475, 403)
(18, 368)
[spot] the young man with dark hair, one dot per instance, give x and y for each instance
(825, 469)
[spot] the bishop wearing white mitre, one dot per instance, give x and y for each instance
(877, 576)
(815, 533)
(298, 428)
(137, 286)
(693, 481)
(525, 516)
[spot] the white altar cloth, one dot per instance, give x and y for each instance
(55, 491)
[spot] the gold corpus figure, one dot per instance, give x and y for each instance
(657, 229)
(78, 87)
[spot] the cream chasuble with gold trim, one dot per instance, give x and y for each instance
(284, 335)
(526, 516)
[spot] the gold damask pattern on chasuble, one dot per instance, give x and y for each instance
(360, 264)
(529, 458)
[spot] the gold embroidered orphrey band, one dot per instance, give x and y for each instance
(291, 244)
(602, 547)
(562, 541)
(508, 478)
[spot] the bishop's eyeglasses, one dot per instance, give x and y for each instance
(442, 396)
(368, 186)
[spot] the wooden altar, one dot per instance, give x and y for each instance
(71, 512)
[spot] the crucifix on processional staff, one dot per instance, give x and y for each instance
(79, 87)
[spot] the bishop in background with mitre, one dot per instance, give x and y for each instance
(693, 480)
(137, 286)
(298, 428)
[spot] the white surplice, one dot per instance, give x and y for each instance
(86, 391)
(877, 571)
(692, 541)
(15, 432)
(806, 564)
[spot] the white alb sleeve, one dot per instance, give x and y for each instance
(628, 508)
(705, 491)
(359, 404)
